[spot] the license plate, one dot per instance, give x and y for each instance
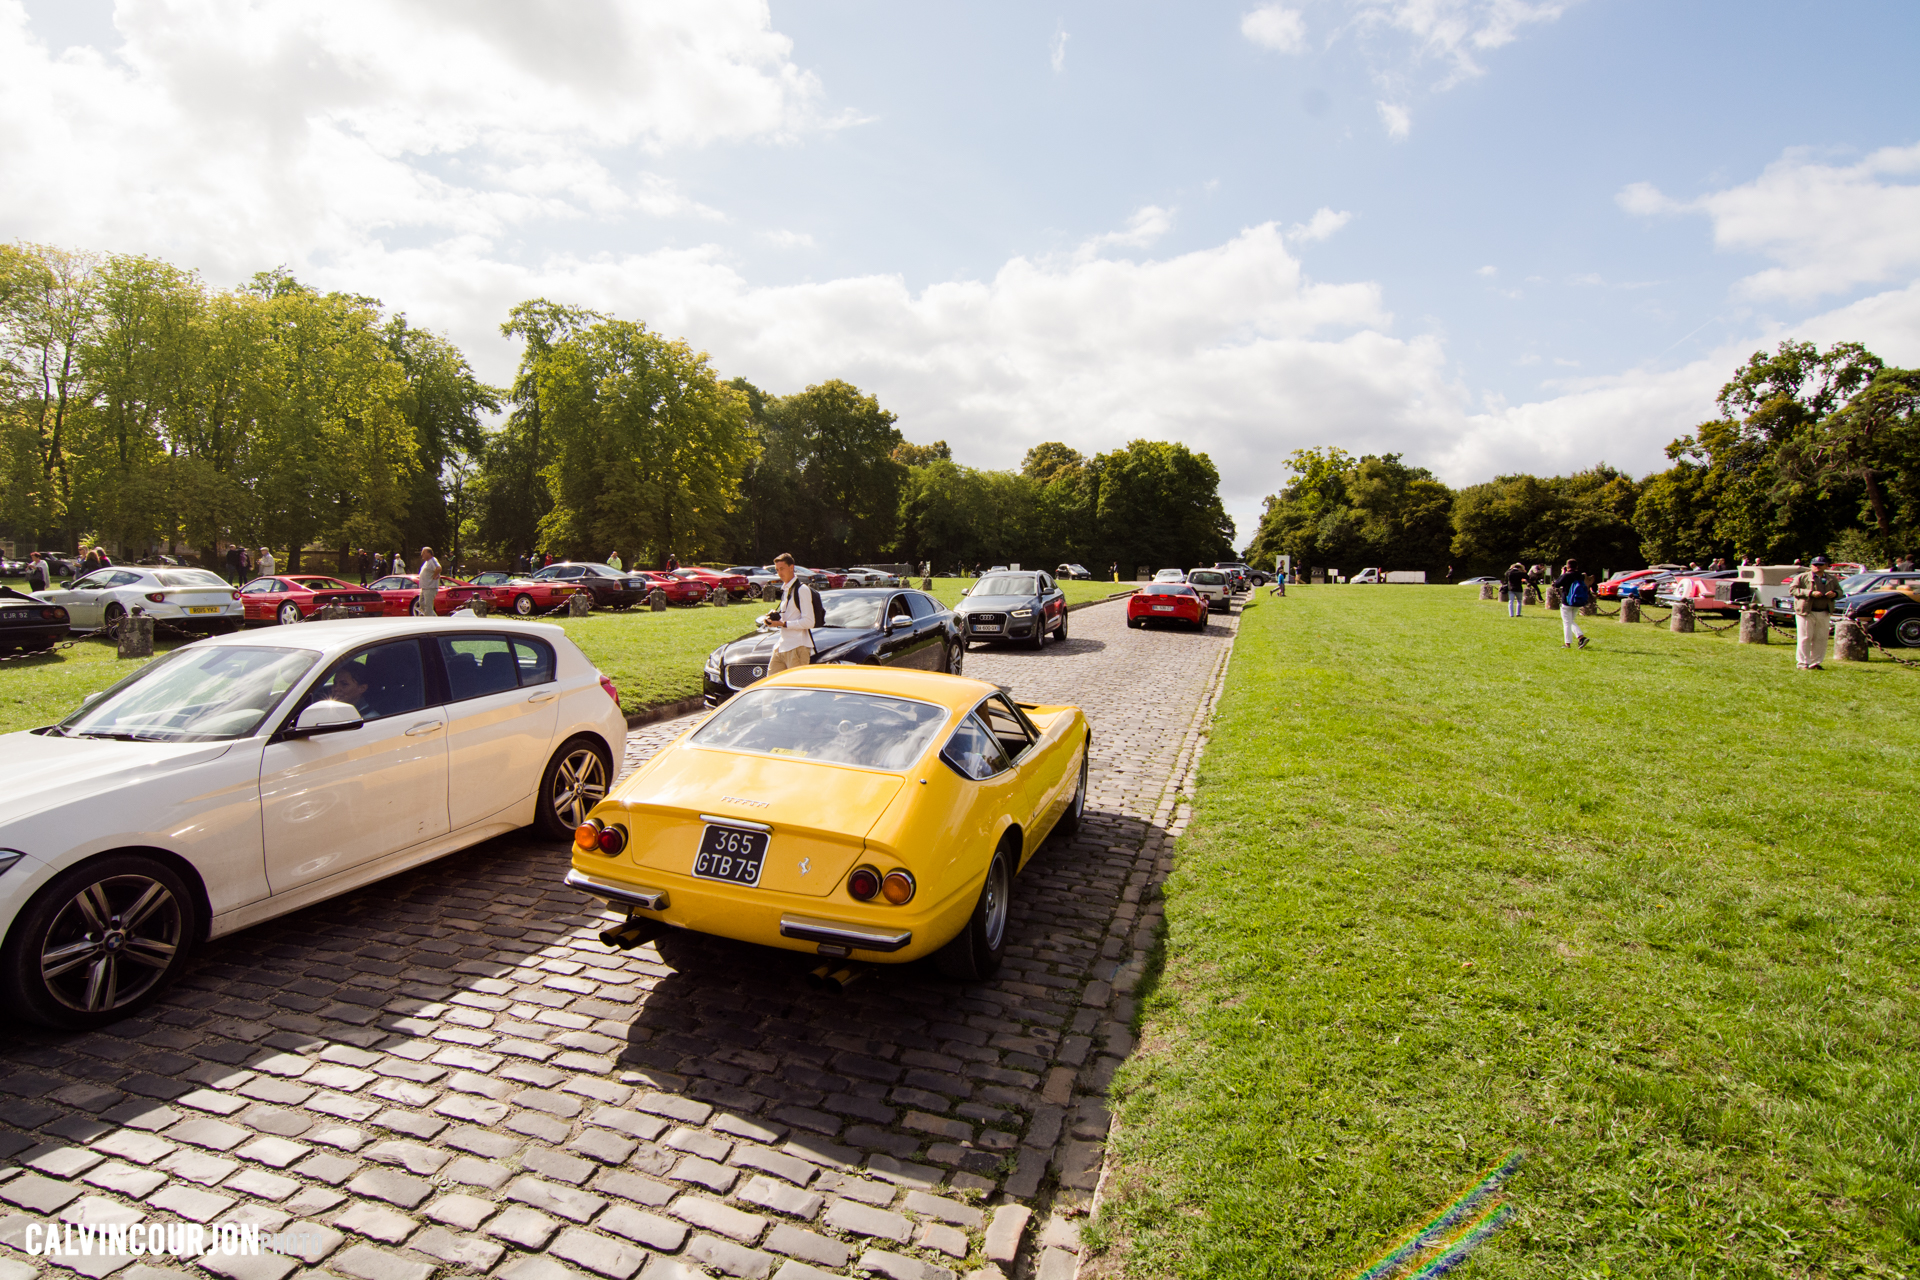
(1163, 608)
(203, 608)
(731, 854)
(13, 615)
(986, 626)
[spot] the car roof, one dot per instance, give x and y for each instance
(345, 633)
(957, 693)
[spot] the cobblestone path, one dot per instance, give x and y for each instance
(448, 1074)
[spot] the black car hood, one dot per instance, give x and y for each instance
(758, 645)
(994, 603)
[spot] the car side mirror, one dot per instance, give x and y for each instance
(92, 698)
(326, 717)
(66, 583)
(966, 591)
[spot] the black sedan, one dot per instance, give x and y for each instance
(1021, 605)
(872, 625)
(1891, 617)
(29, 625)
(612, 588)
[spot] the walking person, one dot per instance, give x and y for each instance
(1516, 587)
(1573, 594)
(265, 563)
(236, 563)
(366, 564)
(429, 583)
(799, 613)
(1813, 595)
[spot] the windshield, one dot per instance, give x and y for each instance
(846, 610)
(317, 584)
(194, 695)
(189, 578)
(1167, 589)
(1006, 584)
(1207, 577)
(864, 729)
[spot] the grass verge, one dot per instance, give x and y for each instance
(1644, 912)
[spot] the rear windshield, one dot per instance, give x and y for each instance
(1006, 584)
(864, 729)
(1167, 589)
(189, 578)
(1207, 577)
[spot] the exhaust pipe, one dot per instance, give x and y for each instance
(632, 934)
(828, 978)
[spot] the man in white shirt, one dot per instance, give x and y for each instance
(429, 583)
(799, 613)
(263, 567)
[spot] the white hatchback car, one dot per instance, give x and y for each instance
(1213, 588)
(242, 777)
(1170, 575)
(192, 599)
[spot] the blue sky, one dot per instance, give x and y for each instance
(1488, 234)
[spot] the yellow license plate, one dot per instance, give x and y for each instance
(203, 608)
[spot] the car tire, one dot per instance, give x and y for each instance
(1060, 632)
(523, 605)
(110, 616)
(1906, 630)
(956, 658)
(287, 614)
(1038, 640)
(975, 953)
(1069, 824)
(118, 969)
(577, 778)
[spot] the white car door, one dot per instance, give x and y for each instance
(501, 710)
(331, 802)
(85, 599)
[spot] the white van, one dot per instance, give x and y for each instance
(1210, 585)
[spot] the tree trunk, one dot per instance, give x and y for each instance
(1878, 500)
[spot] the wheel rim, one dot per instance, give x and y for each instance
(994, 902)
(111, 943)
(523, 605)
(1908, 632)
(578, 784)
(956, 658)
(1080, 792)
(289, 614)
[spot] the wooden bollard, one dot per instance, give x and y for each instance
(1489, 591)
(1682, 619)
(1849, 641)
(135, 636)
(657, 600)
(579, 604)
(1753, 626)
(1629, 609)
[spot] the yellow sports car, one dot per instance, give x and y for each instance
(844, 811)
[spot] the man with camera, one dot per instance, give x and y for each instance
(799, 613)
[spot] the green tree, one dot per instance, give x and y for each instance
(1159, 505)
(845, 443)
(908, 454)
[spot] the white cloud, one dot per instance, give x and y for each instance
(1831, 228)
(1488, 271)
(1323, 224)
(1147, 225)
(783, 239)
(1275, 27)
(1058, 56)
(1453, 31)
(1397, 120)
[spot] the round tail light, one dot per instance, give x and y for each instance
(864, 883)
(613, 839)
(897, 888)
(587, 834)
(158, 597)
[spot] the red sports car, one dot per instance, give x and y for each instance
(1611, 587)
(401, 592)
(679, 590)
(524, 597)
(735, 583)
(297, 597)
(1167, 602)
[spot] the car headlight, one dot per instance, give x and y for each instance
(713, 663)
(8, 857)
(1021, 613)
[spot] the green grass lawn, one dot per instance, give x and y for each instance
(1645, 913)
(654, 658)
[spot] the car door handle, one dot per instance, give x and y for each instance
(429, 726)
(548, 696)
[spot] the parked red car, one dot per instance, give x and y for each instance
(1167, 602)
(735, 583)
(297, 597)
(1610, 589)
(679, 590)
(523, 597)
(401, 592)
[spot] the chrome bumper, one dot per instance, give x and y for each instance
(631, 895)
(836, 933)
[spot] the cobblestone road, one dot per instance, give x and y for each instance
(448, 1074)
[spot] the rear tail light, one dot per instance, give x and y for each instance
(158, 597)
(587, 834)
(613, 839)
(864, 883)
(55, 614)
(234, 594)
(897, 888)
(607, 684)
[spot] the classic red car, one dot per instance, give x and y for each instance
(524, 597)
(401, 592)
(1167, 602)
(735, 583)
(679, 590)
(297, 597)
(1610, 589)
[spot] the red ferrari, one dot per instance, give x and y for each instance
(299, 596)
(401, 592)
(735, 583)
(679, 590)
(524, 597)
(1167, 602)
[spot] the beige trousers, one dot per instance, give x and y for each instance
(784, 658)
(1810, 637)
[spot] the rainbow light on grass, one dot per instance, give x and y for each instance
(1436, 1231)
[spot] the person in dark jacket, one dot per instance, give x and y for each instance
(1516, 587)
(1570, 632)
(38, 575)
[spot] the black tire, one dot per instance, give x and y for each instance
(523, 605)
(1906, 630)
(1060, 632)
(109, 961)
(288, 614)
(577, 778)
(1069, 824)
(1039, 638)
(956, 659)
(975, 953)
(111, 616)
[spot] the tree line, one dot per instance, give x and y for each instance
(143, 409)
(1811, 451)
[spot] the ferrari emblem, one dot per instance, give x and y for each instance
(803, 865)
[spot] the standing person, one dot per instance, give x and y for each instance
(265, 563)
(236, 563)
(429, 583)
(366, 566)
(613, 562)
(89, 562)
(1813, 595)
(673, 565)
(1573, 593)
(1516, 585)
(799, 613)
(37, 575)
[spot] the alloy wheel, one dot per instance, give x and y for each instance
(110, 943)
(289, 614)
(956, 659)
(1907, 632)
(994, 905)
(523, 604)
(578, 784)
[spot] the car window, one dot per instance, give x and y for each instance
(184, 578)
(478, 666)
(381, 680)
(570, 572)
(1007, 725)
(850, 609)
(898, 610)
(535, 660)
(260, 587)
(1207, 577)
(828, 725)
(194, 695)
(1167, 589)
(94, 582)
(392, 584)
(973, 751)
(923, 606)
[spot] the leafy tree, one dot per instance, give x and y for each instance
(845, 441)
(1585, 516)
(1159, 504)
(908, 454)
